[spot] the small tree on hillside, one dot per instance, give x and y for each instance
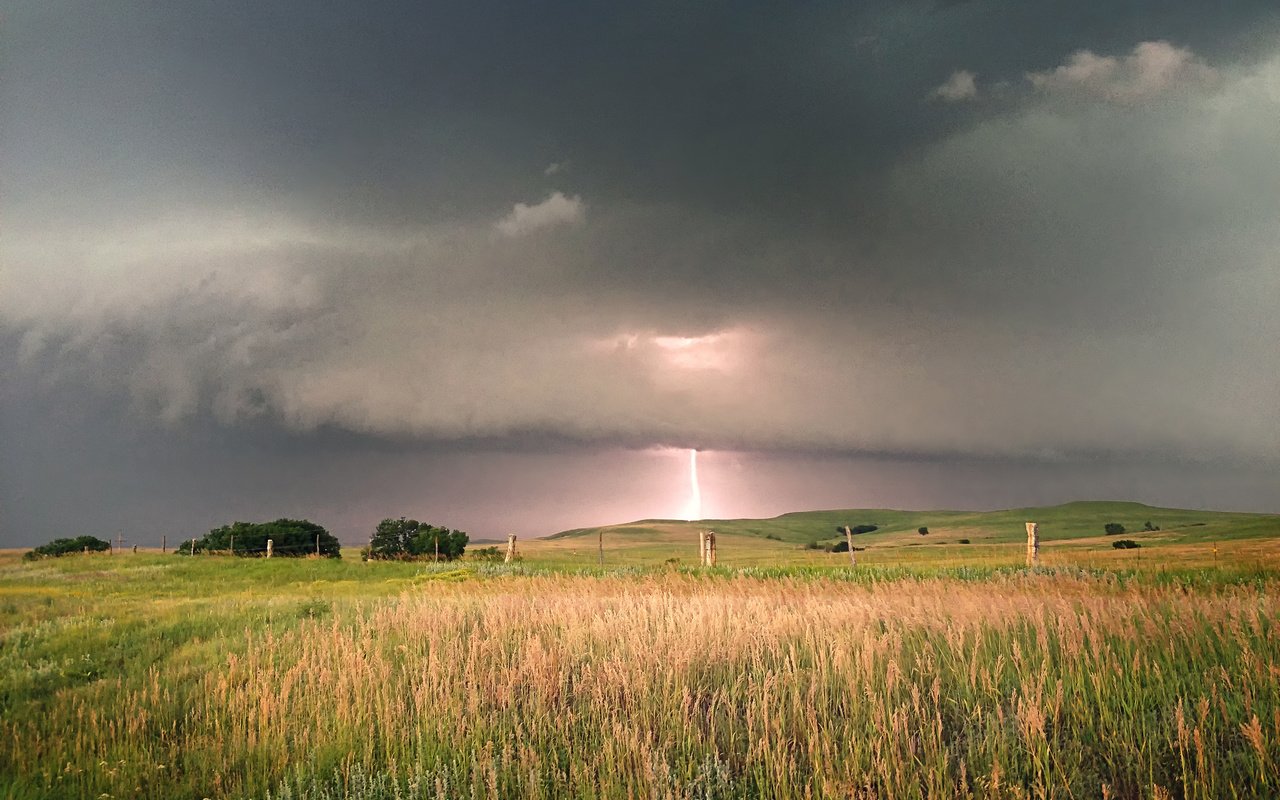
(1113, 528)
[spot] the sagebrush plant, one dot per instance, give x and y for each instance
(513, 682)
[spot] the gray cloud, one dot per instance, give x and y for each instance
(1047, 279)
(961, 85)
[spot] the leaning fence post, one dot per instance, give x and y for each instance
(269, 545)
(848, 537)
(1033, 543)
(511, 548)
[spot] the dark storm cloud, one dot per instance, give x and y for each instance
(940, 229)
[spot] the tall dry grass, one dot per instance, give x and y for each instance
(677, 686)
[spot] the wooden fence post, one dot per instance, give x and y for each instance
(164, 544)
(511, 548)
(848, 537)
(270, 544)
(1033, 543)
(709, 549)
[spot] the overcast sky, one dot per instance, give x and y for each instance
(495, 265)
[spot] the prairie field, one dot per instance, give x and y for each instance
(155, 676)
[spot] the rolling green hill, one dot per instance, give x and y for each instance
(1070, 533)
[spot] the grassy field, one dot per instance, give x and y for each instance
(1070, 534)
(929, 675)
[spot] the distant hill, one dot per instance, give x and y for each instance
(1081, 518)
(1077, 528)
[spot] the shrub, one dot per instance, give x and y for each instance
(1113, 528)
(1147, 526)
(964, 541)
(773, 536)
(61, 547)
(923, 530)
(492, 554)
(1125, 544)
(857, 529)
(843, 547)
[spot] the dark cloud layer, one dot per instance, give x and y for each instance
(1016, 233)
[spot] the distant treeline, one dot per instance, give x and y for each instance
(60, 547)
(289, 537)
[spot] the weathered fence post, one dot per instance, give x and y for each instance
(709, 549)
(600, 540)
(317, 545)
(511, 548)
(1033, 543)
(270, 544)
(135, 548)
(848, 537)
(164, 544)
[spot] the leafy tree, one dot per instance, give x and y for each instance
(289, 537)
(1149, 527)
(433, 542)
(61, 547)
(391, 538)
(408, 538)
(1113, 528)
(923, 530)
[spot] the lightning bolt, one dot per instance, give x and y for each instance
(695, 491)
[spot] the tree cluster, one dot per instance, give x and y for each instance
(289, 537)
(857, 529)
(60, 547)
(410, 539)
